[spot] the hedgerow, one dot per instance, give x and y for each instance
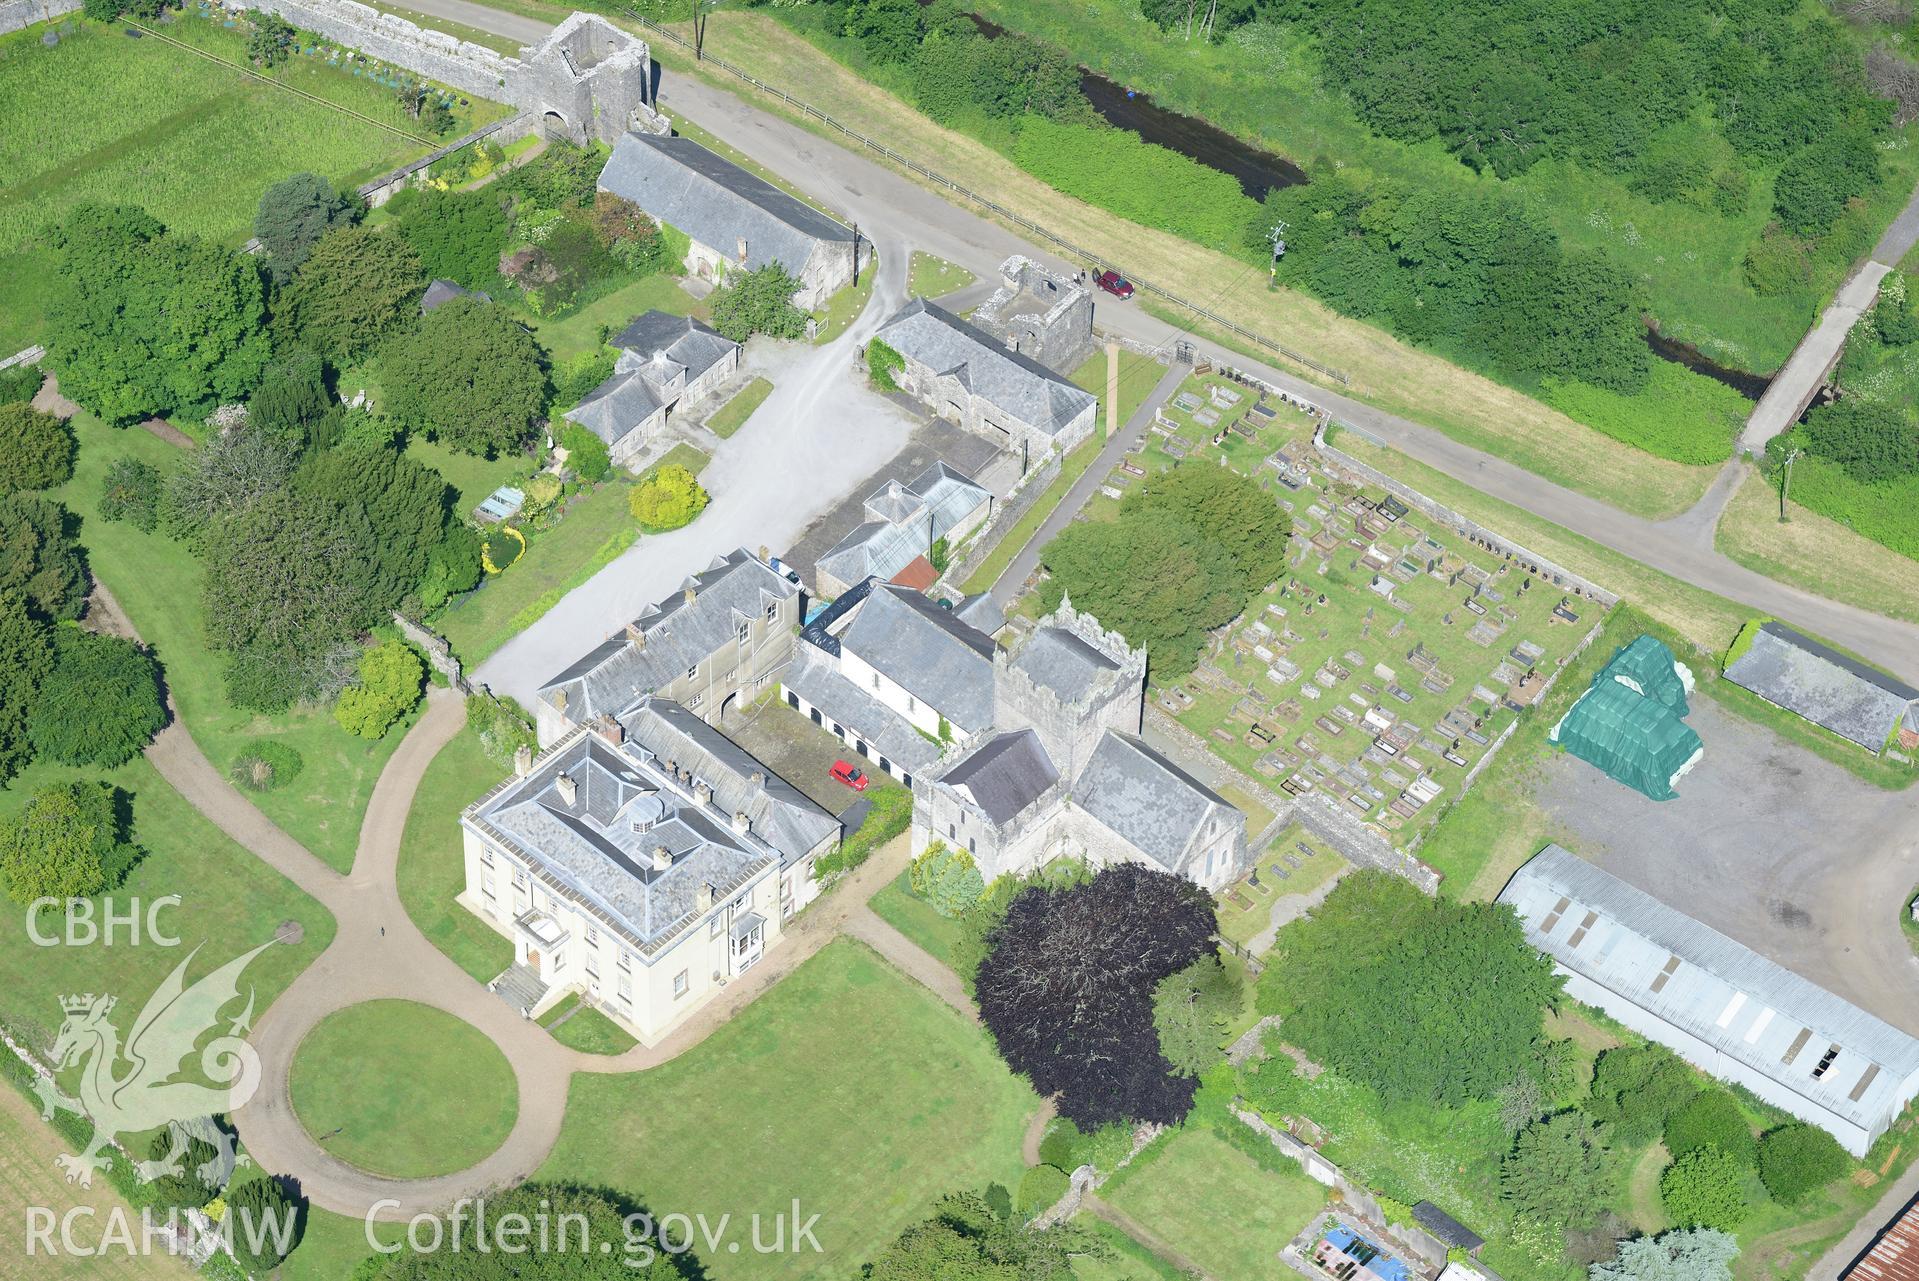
(1678, 414)
(1138, 180)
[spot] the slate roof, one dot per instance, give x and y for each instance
(1062, 662)
(781, 814)
(1718, 991)
(930, 654)
(1004, 774)
(611, 676)
(655, 349)
(902, 522)
(1145, 799)
(980, 612)
(1017, 385)
(441, 292)
(599, 846)
(815, 676)
(1444, 1226)
(1826, 687)
(716, 202)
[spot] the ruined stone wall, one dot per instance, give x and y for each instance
(470, 68)
(15, 15)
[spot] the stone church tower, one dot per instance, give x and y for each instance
(1069, 681)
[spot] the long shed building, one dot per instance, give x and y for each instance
(1715, 1002)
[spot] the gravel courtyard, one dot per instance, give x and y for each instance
(1769, 844)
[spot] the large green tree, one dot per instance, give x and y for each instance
(39, 558)
(102, 703)
(294, 213)
(403, 504)
(224, 478)
(293, 403)
(1705, 1188)
(68, 842)
(36, 449)
(1464, 992)
(1635, 1088)
(975, 1238)
(759, 302)
(469, 375)
(26, 660)
(458, 235)
(1796, 1159)
(1556, 1173)
(1691, 1254)
(1191, 1010)
(1229, 512)
(144, 321)
(358, 286)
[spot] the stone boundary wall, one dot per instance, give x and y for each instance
(18, 15)
(29, 356)
(1499, 544)
(470, 68)
(1006, 514)
(438, 652)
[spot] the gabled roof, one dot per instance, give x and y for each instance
(981, 612)
(780, 813)
(1017, 385)
(927, 652)
(690, 342)
(1145, 799)
(1638, 741)
(716, 202)
(903, 520)
(678, 634)
(444, 291)
(815, 676)
(1826, 687)
(618, 405)
(1063, 662)
(1715, 990)
(1004, 774)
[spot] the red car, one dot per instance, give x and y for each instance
(1115, 284)
(847, 774)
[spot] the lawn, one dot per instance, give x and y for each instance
(1819, 553)
(158, 583)
(1384, 371)
(929, 276)
(229, 902)
(1216, 1205)
(1138, 375)
(1128, 1261)
(332, 1245)
(847, 1087)
(587, 329)
(732, 416)
(1072, 467)
(432, 868)
(447, 1095)
(914, 917)
(1246, 909)
(472, 477)
(583, 1028)
(844, 307)
(193, 142)
(595, 530)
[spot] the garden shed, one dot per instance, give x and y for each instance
(1639, 741)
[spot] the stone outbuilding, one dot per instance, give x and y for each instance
(735, 220)
(667, 364)
(903, 521)
(970, 378)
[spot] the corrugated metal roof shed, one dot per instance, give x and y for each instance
(1895, 1255)
(1821, 1048)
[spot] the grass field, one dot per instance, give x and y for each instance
(847, 1086)
(1383, 370)
(1815, 552)
(432, 852)
(1216, 1205)
(229, 902)
(585, 1029)
(101, 117)
(1138, 375)
(596, 529)
(914, 917)
(158, 584)
(447, 1096)
(929, 276)
(732, 416)
(28, 1177)
(844, 307)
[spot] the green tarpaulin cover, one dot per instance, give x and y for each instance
(1639, 741)
(1648, 664)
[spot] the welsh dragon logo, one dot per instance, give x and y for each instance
(130, 1089)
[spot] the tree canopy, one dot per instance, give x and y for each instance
(1872, 439)
(1691, 1254)
(1556, 1173)
(977, 1238)
(294, 213)
(667, 499)
(39, 558)
(358, 286)
(759, 302)
(68, 842)
(388, 688)
(458, 235)
(1797, 1159)
(102, 703)
(144, 321)
(36, 449)
(1463, 991)
(467, 374)
(1067, 990)
(26, 661)
(1191, 1009)
(470, 1250)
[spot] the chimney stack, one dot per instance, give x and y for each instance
(636, 636)
(703, 898)
(662, 858)
(742, 240)
(522, 760)
(757, 777)
(702, 794)
(741, 823)
(609, 729)
(691, 595)
(568, 789)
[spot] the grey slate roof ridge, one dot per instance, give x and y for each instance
(1143, 797)
(815, 677)
(989, 770)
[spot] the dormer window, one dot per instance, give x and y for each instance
(772, 609)
(744, 631)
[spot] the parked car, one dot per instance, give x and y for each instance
(846, 773)
(1115, 284)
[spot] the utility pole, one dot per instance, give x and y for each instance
(1786, 486)
(1277, 239)
(699, 30)
(856, 253)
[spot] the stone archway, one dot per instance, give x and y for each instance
(554, 126)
